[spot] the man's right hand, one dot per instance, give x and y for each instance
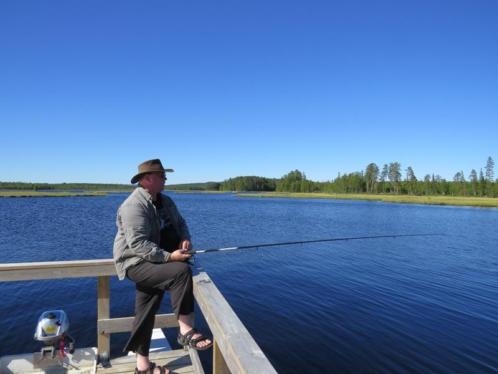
(180, 255)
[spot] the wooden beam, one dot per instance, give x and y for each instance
(125, 324)
(196, 361)
(219, 364)
(238, 348)
(56, 270)
(103, 312)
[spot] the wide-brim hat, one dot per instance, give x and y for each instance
(149, 166)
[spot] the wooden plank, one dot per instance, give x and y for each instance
(168, 356)
(196, 361)
(103, 311)
(237, 346)
(56, 270)
(55, 264)
(125, 324)
(219, 364)
(130, 369)
(177, 360)
(82, 361)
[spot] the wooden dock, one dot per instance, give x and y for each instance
(234, 349)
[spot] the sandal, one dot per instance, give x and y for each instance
(152, 366)
(149, 370)
(187, 340)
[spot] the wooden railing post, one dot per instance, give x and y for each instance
(219, 364)
(103, 312)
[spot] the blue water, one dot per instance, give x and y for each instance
(423, 304)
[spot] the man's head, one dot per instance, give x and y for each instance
(151, 175)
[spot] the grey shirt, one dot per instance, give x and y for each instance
(139, 224)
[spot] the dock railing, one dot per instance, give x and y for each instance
(234, 349)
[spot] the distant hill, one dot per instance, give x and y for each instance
(207, 186)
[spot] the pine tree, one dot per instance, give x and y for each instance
(473, 181)
(490, 172)
(371, 176)
(427, 184)
(482, 184)
(410, 175)
(411, 180)
(383, 177)
(395, 175)
(385, 173)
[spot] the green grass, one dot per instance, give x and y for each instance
(49, 193)
(484, 202)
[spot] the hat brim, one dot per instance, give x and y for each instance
(137, 177)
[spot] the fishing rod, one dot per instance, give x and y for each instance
(198, 251)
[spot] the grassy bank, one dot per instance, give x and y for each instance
(50, 193)
(485, 202)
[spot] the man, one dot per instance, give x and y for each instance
(151, 249)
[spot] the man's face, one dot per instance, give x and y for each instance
(154, 182)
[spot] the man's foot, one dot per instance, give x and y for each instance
(150, 368)
(203, 343)
(194, 339)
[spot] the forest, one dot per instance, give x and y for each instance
(390, 179)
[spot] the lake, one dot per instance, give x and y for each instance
(416, 304)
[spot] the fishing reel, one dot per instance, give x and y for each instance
(52, 330)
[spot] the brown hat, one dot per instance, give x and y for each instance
(150, 166)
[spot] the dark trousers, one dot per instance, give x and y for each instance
(151, 280)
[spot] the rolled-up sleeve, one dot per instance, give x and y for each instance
(137, 231)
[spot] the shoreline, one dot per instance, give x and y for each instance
(26, 194)
(31, 193)
(481, 202)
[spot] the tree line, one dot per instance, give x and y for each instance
(250, 183)
(207, 186)
(390, 179)
(12, 186)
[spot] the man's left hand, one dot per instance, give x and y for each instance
(185, 244)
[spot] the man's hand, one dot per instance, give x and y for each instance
(185, 244)
(180, 255)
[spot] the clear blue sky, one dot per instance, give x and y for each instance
(217, 89)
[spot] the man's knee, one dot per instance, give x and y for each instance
(183, 270)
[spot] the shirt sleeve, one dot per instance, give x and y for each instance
(136, 228)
